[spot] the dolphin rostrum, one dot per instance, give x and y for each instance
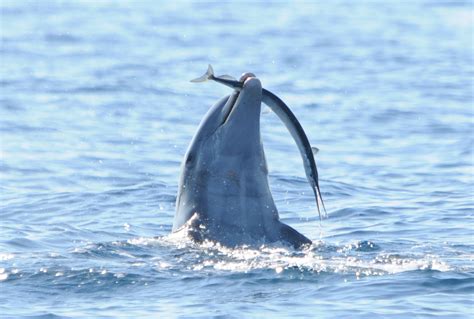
(291, 122)
(223, 192)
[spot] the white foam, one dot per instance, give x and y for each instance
(345, 260)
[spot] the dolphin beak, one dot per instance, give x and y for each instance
(244, 77)
(230, 106)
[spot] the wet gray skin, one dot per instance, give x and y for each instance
(224, 195)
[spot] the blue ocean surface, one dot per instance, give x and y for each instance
(96, 113)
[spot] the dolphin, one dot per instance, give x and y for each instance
(223, 192)
(291, 122)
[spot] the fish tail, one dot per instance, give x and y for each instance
(206, 76)
(322, 202)
(319, 198)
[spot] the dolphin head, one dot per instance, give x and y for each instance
(231, 127)
(225, 153)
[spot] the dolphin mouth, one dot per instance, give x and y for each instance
(233, 101)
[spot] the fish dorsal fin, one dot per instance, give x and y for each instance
(315, 150)
(206, 76)
(226, 77)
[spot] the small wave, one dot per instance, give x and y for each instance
(24, 243)
(45, 315)
(6, 256)
(112, 250)
(61, 38)
(354, 211)
(78, 279)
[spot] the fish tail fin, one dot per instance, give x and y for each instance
(322, 202)
(206, 76)
(319, 198)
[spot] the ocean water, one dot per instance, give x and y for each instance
(96, 113)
